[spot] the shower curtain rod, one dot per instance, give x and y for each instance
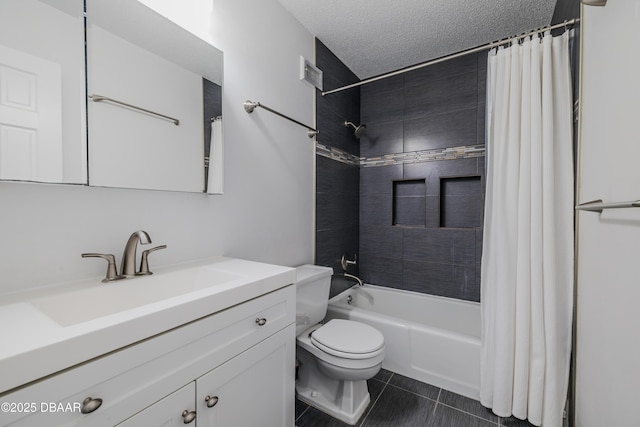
(454, 55)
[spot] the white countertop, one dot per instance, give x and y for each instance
(35, 345)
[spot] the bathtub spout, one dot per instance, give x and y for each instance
(351, 276)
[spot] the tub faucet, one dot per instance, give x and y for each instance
(351, 276)
(128, 267)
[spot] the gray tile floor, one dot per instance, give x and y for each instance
(399, 401)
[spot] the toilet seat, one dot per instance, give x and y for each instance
(348, 339)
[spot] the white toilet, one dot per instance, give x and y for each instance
(335, 359)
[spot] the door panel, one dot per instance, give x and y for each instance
(256, 388)
(608, 289)
(30, 117)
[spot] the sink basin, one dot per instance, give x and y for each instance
(57, 326)
(81, 305)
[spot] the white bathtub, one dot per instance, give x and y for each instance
(432, 339)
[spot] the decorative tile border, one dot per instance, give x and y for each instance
(449, 153)
(337, 154)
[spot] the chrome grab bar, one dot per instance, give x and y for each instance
(599, 206)
(100, 98)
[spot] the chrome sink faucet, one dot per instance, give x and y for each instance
(128, 265)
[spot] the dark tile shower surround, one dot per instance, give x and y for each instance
(337, 183)
(420, 224)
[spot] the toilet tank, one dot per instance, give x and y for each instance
(313, 283)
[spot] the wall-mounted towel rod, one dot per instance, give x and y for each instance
(599, 206)
(100, 98)
(249, 106)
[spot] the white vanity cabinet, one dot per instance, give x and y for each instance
(243, 356)
(252, 389)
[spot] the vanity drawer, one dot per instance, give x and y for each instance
(130, 379)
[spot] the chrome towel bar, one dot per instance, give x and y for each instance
(599, 206)
(249, 106)
(100, 98)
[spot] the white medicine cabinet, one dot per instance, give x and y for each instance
(139, 117)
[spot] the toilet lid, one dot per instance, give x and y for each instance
(347, 336)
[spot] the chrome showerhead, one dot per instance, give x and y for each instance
(358, 130)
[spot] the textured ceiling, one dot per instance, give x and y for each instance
(377, 36)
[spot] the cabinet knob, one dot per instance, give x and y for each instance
(90, 404)
(211, 401)
(188, 416)
(261, 321)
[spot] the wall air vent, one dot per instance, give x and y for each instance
(310, 73)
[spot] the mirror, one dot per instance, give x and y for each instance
(140, 63)
(153, 90)
(42, 91)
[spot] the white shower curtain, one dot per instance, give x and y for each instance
(527, 261)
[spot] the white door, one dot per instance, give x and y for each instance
(255, 388)
(608, 292)
(177, 409)
(30, 117)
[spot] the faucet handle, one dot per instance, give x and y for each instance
(112, 272)
(144, 262)
(347, 262)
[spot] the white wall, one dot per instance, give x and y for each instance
(266, 213)
(608, 293)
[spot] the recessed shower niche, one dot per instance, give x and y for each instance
(409, 203)
(461, 202)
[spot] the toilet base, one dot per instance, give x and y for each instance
(344, 399)
(351, 403)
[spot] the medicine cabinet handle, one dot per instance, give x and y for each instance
(261, 321)
(211, 401)
(90, 404)
(188, 416)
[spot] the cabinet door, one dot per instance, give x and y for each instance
(255, 388)
(176, 409)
